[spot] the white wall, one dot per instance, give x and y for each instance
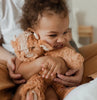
(86, 13)
(73, 23)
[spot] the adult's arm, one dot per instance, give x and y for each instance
(4, 54)
(10, 61)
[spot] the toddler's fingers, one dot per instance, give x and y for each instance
(45, 69)
(55, 71)
(50, 72)
(44, 73)
(45, 65)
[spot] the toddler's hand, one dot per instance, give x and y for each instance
(17, 78)
(52, 66)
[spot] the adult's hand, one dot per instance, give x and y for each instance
(10, 59)
(17, 78)
(71, 78)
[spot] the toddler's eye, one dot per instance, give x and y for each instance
(65, 32)
(53, 35)
(32, 47)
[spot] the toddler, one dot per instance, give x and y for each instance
(49, 20)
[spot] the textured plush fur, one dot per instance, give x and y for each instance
(27, 48)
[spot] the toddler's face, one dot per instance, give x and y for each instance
(54, 29)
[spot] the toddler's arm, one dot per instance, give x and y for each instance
(27, 69)
(52, 66)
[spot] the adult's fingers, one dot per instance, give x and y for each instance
(71, 72)
(13, 64)
(15, 76)
(72, 79)
(66, 83)
(19, 81)
(11, 67)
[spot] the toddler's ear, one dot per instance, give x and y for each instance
(45, 45)
(68, 36)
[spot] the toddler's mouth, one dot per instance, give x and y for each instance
(58, 46)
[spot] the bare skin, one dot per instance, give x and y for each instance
(27, 69)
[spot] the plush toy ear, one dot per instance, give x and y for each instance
(45, 45)
(36, 36)
(32, 31)
(14, 43)
(14, 38)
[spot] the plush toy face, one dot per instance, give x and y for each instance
(28, 46)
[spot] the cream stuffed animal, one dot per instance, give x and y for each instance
(28, 47)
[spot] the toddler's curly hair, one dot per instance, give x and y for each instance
(33, 8)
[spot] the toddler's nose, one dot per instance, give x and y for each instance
(61, 40)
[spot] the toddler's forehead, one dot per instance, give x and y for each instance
(52, 22)
(50, 16)
(49, 13)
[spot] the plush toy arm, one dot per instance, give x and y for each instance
(72, 58)
(34, 85)
(61, 90)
